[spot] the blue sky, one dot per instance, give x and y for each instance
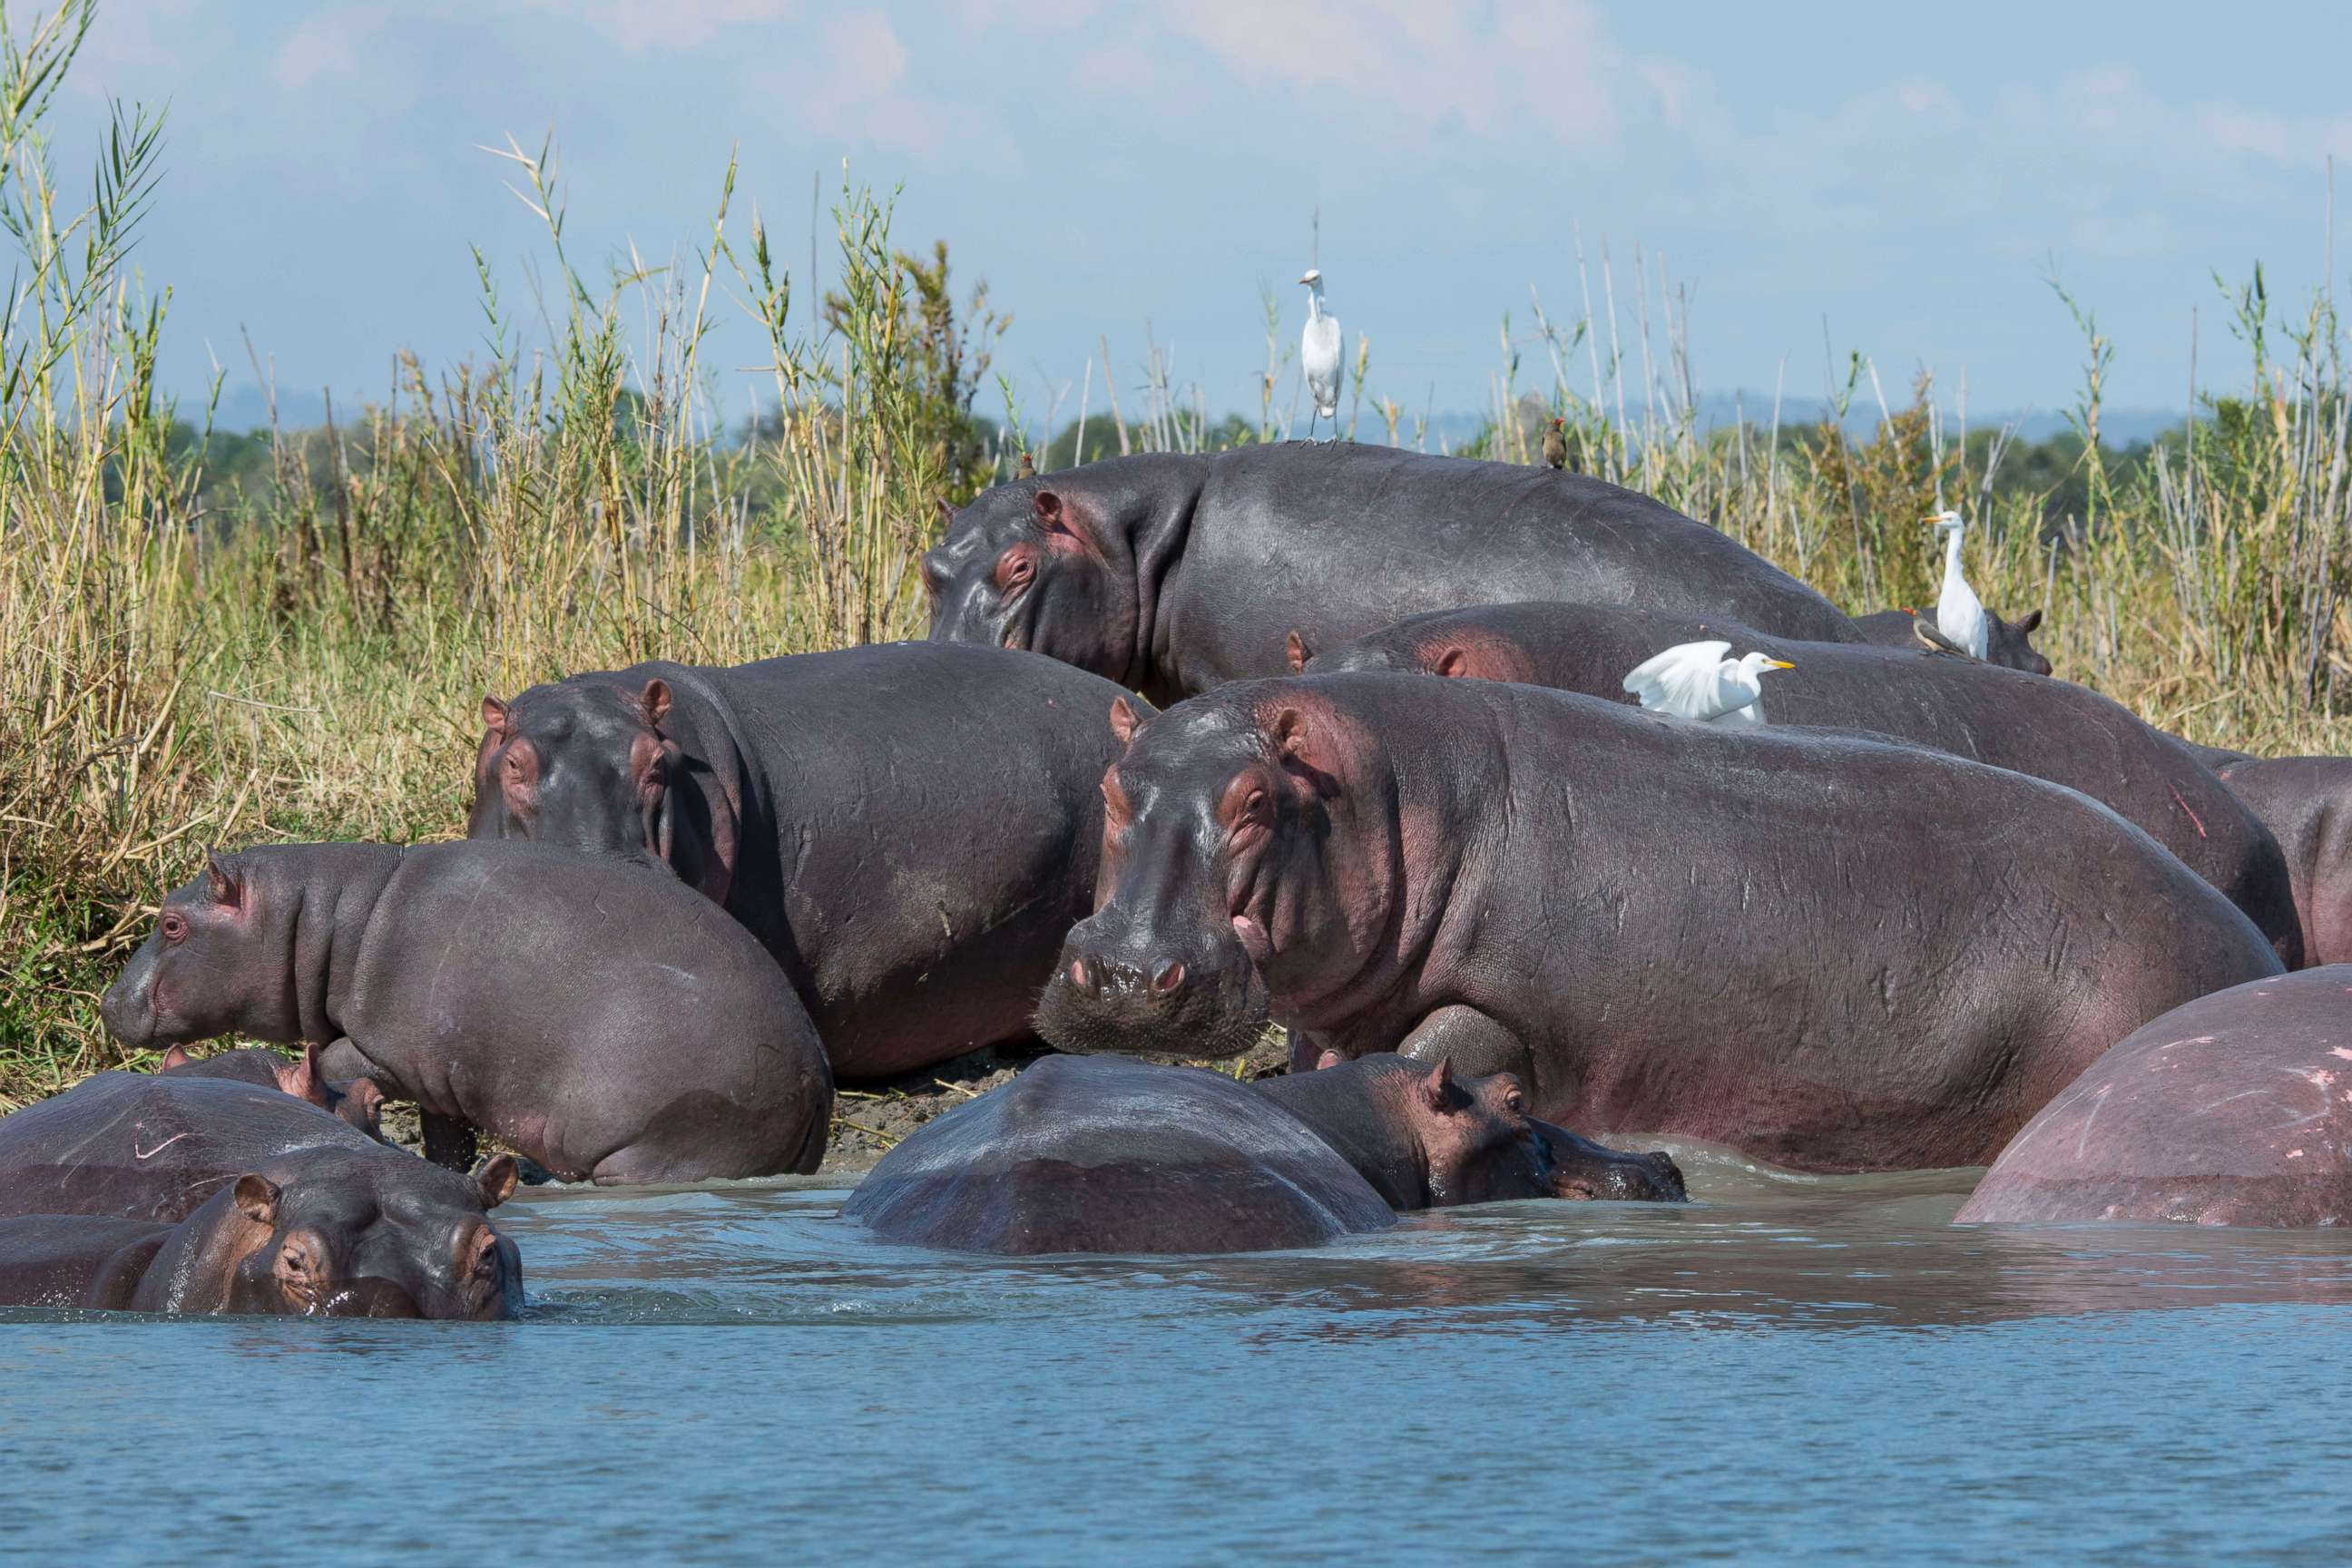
(1910, 173)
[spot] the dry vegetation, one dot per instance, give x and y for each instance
(183, 664)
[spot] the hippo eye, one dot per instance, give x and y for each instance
(173, 927)
(1515, 1102)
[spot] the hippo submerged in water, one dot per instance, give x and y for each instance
(1108, 1155)
(2008, 642)
(2051, 729)
(598, 1016)
(1830, 952)
(909, 829)
(1173, 573)
(2235, 1108)
(180, 1194)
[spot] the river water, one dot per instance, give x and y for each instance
(1785, 1371)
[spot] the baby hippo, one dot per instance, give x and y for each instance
(596, 1015)
(178, 1193)
(358, 1102)
(1427, 1138)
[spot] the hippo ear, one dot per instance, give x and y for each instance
(1437, 1089)
(303, 1079)
(257, 1197)
(495, 1179)
(1049, 512)
(947, 508)
(1124, 721)
(1454, 664)
(1330, 1058)
(226, 882)
(2031, 621)
(1295, 646)
(654, 701)
(360, 1103)
(1296, 746)
(494, 717)
(174, 1058)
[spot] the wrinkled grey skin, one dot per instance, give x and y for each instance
(356, 1101)
(1462, 1140)
(1836, 954)
(909, 829)
(2006, 643)
(2235, 1108)
(2307, 803)
(2048, 729)
(1102, 1154)
(179, 1193)
(1172, 574)
(596, 1015)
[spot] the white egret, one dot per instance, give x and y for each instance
(1696, 680)
(1960, 614)
(1318, 356)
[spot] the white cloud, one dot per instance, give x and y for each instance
(639, 26)
(1498, 70)
(858, 89)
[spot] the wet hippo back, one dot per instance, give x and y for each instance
(2235, 1108)
(1107, 1154)
(132, 1146)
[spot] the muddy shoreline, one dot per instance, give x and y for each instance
(870, 1120)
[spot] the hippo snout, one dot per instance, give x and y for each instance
(1128, 998)
(128, 1008)
(1597, 1175)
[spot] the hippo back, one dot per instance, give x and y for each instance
(2235, 1108)
(131, 1146)
(1109, 1155)
(2304, 802)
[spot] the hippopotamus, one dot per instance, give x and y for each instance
(172, 1192)
(598, 1016)
(2006, 643)
(909, 828)
(2234, 1109)
(357, 1101)
(1831, 951)
(1426, 1139)
(1111, 1154)
(1171, 574)
(1108, 1155)
(2307, 803)
(2052, 730)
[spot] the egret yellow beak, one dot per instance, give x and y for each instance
(1777, 664)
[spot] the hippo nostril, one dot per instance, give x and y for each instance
(1078, 972)
(1168, 981)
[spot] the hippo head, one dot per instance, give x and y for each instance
(2007, 644)
(1475, 1141)
(1220, 878)
(1028, 566)
(357, 1101)
(1424, 645)
(586, 762)
(376, 1236)
(217, 963)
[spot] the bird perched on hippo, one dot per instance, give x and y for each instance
(2051, 729)
(1833, 952)
(1172, 573)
